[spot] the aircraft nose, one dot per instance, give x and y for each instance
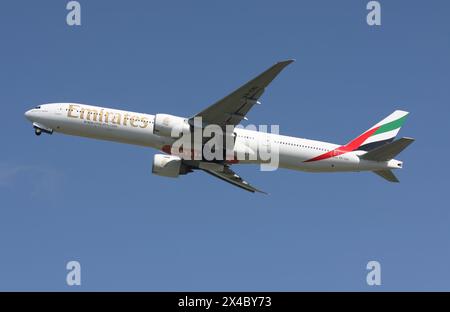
(28, 114)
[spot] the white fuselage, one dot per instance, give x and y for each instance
(137, 128)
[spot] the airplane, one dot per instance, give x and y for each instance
(374, 150)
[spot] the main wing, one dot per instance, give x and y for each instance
(231, 177)
(234, 107)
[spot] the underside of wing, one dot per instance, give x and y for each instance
(231, 177)
(234, 107)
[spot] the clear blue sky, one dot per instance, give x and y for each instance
(67, 198)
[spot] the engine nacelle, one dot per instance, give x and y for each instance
(169, 166)
(168, 125)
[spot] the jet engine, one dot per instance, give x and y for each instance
(170, 126)
(169, 166)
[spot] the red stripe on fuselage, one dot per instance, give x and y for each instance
(351, 146)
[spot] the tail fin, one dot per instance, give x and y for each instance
(387, 175)
(381, 133)
(388, 151)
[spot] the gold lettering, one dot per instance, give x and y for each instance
(100, 115)
(125, 118)
(72, 109)
(106, 117)
(89, 112)
(133, 121)
(117, 118)
(144, 122)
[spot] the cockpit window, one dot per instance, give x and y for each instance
(37, 107)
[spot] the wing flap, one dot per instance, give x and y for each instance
(231, 177)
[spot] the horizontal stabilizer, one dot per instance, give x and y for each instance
(387, 175)
(388, 151)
